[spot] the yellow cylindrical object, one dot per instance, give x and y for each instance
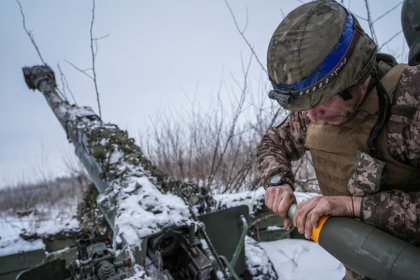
(366, 250)
(316, 231)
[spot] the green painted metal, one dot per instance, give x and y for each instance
(203, 232)
(54, 270)
(212, 249)
(230, 268)
(11, 265)
(260, 221)
(369, 251)
(224, 231)
(294, 234)
(54, 266)
(271, 235)
(68, 254)
(241, 241)
(58, 244)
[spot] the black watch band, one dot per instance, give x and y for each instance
(277, 180)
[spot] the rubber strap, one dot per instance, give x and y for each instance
(383, 115)
(384, 91)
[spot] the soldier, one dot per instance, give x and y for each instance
(358, 113)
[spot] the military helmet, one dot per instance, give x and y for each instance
(317, 51)
(410, 19)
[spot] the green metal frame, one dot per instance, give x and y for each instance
(241, 241)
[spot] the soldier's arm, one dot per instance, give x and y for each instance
(398, 212)
(395, 212)
(280, 145)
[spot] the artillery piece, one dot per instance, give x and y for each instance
(157, 234)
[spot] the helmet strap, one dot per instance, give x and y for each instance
(383, 115)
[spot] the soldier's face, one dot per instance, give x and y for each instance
(335, 110)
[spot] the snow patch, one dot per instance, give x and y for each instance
(257, 261)
(151, 210)
(302, 196)
(253, 199)
(11, 226)
(296, 259)
(275, 228)
(11, 246)
(249, 198)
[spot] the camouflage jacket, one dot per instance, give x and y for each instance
(395, 212)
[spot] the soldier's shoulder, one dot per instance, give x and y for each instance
(403, 124)
(298, 116)
(291, 118)
(407, 91)
(301, 117)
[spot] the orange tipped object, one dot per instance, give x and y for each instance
(317, 231)
(366, 250)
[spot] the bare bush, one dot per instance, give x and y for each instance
(203, 150)
(216, 148)
(57, 193)
(305, 179)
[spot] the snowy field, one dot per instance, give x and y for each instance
(292, 259)
(301, 260)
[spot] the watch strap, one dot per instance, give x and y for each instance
(284, 180)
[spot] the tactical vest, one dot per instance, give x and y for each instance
(336, 150)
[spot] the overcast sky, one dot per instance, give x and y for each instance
(157, 53)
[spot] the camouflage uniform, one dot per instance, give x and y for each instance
(320, 50)
(395, 212)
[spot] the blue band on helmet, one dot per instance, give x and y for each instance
(329, 63)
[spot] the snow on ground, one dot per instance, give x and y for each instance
(11, 243)
(292, 259)
(296, 259)
(257, 261)
(11, 226)
(252, 199)
(302, 196)
(249, 198)
(11, 246)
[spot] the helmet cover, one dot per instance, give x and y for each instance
(317, 51)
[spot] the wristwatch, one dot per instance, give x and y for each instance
(277, 180)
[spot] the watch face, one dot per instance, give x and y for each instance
(275, 180)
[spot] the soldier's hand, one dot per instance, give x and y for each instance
(309, 212)
(279, 199)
